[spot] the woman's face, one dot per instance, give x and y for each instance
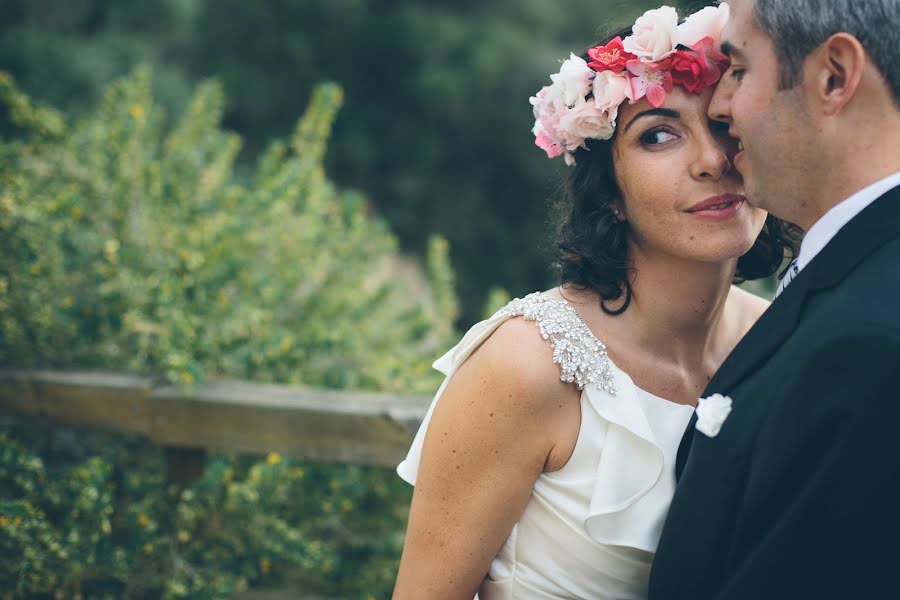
(680, 194)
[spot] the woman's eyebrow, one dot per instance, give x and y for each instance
(662, 112)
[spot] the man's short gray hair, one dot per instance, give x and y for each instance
(797, 27)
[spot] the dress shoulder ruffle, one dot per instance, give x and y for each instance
(627, 505)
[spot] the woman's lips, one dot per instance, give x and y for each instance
(718, 208)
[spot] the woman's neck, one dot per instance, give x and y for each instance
(678, 306)
(675, 315)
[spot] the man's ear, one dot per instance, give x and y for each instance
(838, 67)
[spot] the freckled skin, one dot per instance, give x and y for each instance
(655, 202)
(505, 417)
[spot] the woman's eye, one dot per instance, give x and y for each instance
(656, 137)
(736, 73)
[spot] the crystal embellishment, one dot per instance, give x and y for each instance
(581, 357)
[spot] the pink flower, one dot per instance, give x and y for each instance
(545, 97)
(586, 121)
(717, 63)
(650, 79)
(654, 33)
(708, 22)
(610, 90)
(611, 57)
(550, 133)
(549, 108)
(549, 145)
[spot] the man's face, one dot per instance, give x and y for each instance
(773, 127)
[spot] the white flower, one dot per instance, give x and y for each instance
(653, 36)
(587, 121)
(575, 78)
(610, 90)
(708, 22)
(711, 414)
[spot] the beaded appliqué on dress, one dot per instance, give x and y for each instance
(581, 357)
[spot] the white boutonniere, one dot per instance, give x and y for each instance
(711, 414)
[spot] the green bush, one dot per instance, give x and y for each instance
(437, 97)
(127, 245)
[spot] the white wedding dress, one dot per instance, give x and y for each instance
(591, 528)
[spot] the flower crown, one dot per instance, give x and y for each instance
(583, 101)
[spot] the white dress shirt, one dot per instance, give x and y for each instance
(831, 222)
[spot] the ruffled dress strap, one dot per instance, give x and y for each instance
(627, 506)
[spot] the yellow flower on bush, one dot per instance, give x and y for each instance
(144, 520)
(77, 213)
(111, 249)
(148, 548)
(137, 112)
(273, 458)
(4, 520)
(265, 565)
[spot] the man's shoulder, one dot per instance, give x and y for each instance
(869, 293)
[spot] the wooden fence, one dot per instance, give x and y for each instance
(321, 425)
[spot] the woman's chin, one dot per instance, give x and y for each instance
(726, 251)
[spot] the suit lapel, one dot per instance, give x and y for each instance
(876, 225)
(767, 334)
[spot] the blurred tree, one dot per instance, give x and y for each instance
(437, 126)
(437, 123)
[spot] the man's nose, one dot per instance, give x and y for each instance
(720, 105)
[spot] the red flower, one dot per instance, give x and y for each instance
(611, 57)
(688, 70)
(717, 63)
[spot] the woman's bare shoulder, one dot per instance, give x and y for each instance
(517, 355)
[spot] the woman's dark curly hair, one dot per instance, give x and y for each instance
(592, 243)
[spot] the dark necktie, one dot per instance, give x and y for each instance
(792, 271)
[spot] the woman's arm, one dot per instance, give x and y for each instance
(489, 439)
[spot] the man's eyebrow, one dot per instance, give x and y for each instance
(662, 112)
(729, 49)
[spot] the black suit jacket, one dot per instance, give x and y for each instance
(798, 496)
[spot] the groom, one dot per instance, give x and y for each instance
(798, 494)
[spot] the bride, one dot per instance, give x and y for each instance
(544, 467)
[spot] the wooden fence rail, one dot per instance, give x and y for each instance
(321, 425)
